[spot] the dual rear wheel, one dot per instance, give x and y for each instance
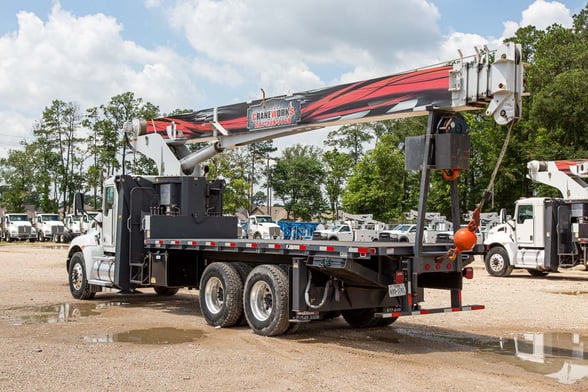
(232, 293)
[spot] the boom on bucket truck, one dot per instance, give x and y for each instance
(168, 231)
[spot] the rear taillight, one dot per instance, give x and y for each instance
(468, 273)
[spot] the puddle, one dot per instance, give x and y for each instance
(573, 292)
(164, 335)
(559, 355)
(60, 313)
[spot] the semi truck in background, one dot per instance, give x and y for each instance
(169, 231)
(17, 227)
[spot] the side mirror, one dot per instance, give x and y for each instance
(503, 217)
(78, 203)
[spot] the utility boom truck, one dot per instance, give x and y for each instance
(169, 232)
(546, 233)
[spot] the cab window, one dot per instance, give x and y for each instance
(108, 199)
(525, 212)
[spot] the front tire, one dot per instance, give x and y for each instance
(78, 279)
(221, 295)
(265, 300)
(497, 262)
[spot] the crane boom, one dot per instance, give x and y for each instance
(498, 86)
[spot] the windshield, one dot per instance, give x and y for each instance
(402, 227)
(18, 218)
(48, 218)
(264, 219)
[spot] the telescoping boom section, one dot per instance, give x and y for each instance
(169, 231)
(495, 86)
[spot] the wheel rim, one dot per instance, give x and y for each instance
(261, 300)
(496, 263)
(214, 295)
(77, 276)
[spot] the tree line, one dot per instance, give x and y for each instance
(73, 150)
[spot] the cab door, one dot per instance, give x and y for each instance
(525, 225)
(109, 211)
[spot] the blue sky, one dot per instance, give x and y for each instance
(203, 53)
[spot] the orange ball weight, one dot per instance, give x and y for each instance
(464, 239)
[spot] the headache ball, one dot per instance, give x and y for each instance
(464, 239)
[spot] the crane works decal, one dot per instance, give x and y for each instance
(274, 113)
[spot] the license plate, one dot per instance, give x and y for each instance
(396, 290)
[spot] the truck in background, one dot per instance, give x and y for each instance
(546, 233)
(262, 227)
(77, 224)
(16, 226)
(49, 227)
(347, 231)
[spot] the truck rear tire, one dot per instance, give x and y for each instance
(497, 262)
(265, 300)
(221, 295)
(243, 270)
(165, 291)
(534, 272)
(361, 318)
(78, 279)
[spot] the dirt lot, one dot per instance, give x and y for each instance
(532, 336)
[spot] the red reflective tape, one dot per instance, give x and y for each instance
(478, 307)
(424, 311)
(302, 247)
(232, 244)
(330, 248)
(362, 250)
(409, 297)
(193, 243)
(159, 242)
(174, 242)
(455, 309)
(397, 314)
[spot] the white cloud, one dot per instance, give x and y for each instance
(84, 60)
(280, 45)
(540, 14)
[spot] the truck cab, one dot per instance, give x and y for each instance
(16, 227)
(49, 227)
(263, 227)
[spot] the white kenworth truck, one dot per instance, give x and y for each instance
(169, 231)
(16, 227)
(49, 227)
(546, 233)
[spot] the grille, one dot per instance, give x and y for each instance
(274, 231)
(24, 230)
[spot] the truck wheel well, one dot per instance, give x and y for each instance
(72, 251)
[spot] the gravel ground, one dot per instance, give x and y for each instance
(532, 336)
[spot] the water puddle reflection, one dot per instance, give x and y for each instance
(59, 313)
(559, 355)
(163, 335)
